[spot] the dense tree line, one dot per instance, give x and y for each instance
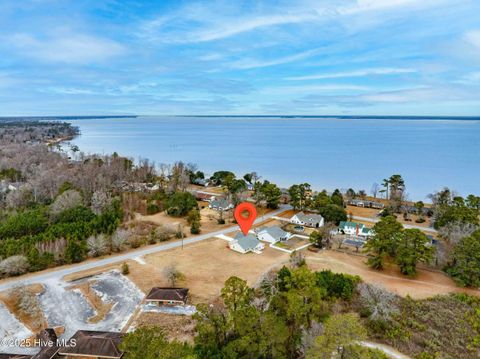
(331, 207)
(406, 247)
(282, 318)
(45, 239)
(458, 222)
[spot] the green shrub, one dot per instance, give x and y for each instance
(338, 285)
(125, 269)
(180, 203)
(75, 215)
(153, 208)
(25, 223)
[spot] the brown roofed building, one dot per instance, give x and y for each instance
(14, 356)
(93, 344)
(48, 343)
(167, 296)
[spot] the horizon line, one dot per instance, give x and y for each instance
(242, 116)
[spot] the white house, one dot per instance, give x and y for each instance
(355, 229)
(308, 220)
(272, 234)
(245, 244)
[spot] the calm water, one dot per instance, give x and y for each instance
(327, 153)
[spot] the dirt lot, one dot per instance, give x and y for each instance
(162, 219)
(206, 266)
(426, 284)
(373, 213)
(362, 212)
(208, 220)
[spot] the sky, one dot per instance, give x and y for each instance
(324, 57)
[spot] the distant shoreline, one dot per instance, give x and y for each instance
(60, 118)
(333, 117)
(328, 117)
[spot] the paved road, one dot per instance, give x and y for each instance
(375, 220)
(63, 271)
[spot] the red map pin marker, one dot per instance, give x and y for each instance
(245, 223)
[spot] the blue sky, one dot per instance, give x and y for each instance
(379, 57)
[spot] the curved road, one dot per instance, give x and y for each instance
(66, 270)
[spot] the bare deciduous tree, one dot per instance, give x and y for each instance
(173, 275)
(20, 198)
(119, 239)
(375, 190)
(97, 245)
(67, 200)
(56, 247)
(456, 231)
(297, 259)
(310, 335)
(100, 201)
(14, 265)
(378, 301)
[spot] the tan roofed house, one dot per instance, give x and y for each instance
(93, 344)
(167, 296)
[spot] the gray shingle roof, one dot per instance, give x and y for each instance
(248, 242)
(220, 203)
(275, 231)
(309, 218)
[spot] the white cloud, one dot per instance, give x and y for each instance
(253, 63)
(362, 6)
(287, 90)
(472, 78)
(230, 28)
(356, 73)
(69, 91)
(7, 80)
(421, 94)
(200, 23)
(70, 48)
(473, 38)
(197, 22)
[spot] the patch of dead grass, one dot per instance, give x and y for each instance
(32, 318)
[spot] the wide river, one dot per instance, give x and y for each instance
(327, 153)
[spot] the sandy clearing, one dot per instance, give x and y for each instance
(426, 284)
(206, 265)
(373, 214)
